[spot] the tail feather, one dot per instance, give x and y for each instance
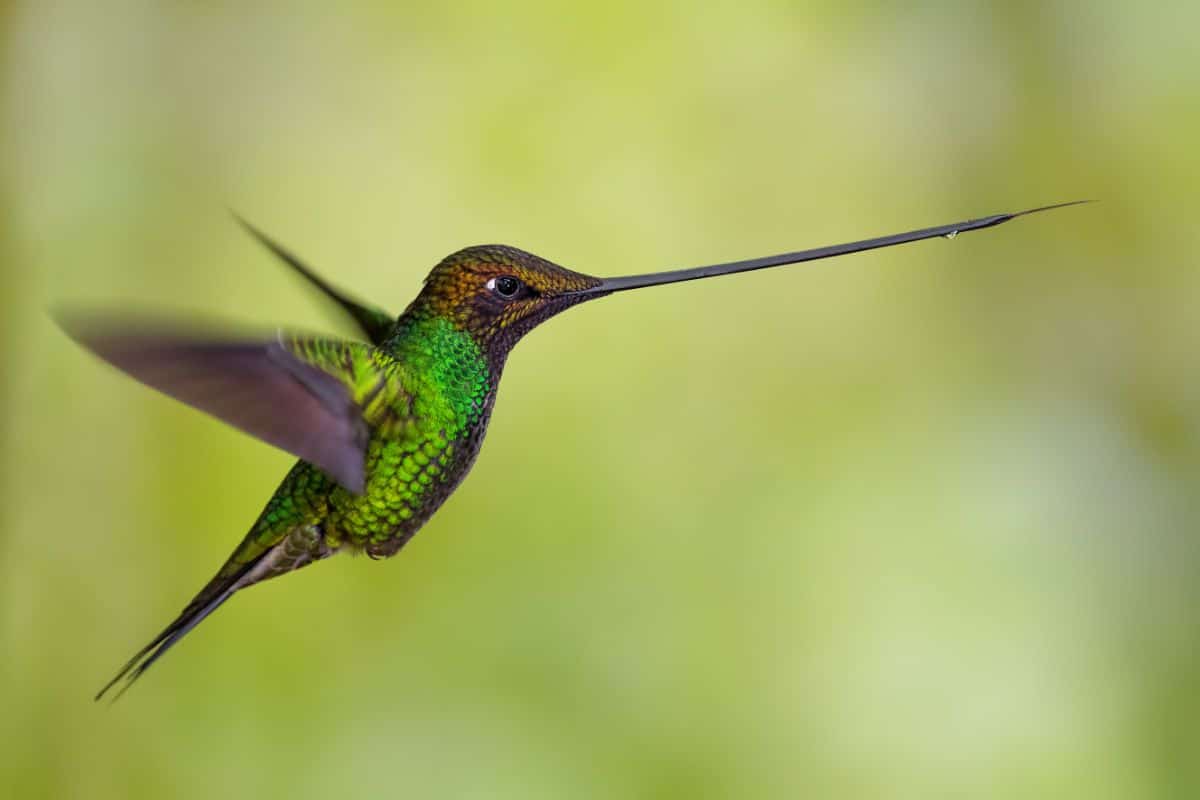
(292, 550)
(210, 598)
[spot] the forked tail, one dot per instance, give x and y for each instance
(218, 590)
(289, 550)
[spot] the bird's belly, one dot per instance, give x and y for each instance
(406, 482)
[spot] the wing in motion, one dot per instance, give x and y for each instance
(375, 323)
(315, 398)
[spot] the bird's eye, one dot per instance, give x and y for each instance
(506, 286)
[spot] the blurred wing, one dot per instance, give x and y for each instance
(315, 398)
(374, 322)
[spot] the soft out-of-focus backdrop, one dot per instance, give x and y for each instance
(914, 523)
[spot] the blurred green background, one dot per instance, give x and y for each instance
(916, 523)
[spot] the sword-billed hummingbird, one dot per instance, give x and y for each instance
(385, 431)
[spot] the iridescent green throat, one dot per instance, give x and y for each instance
(446, 372)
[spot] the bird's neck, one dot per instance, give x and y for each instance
(451, 373)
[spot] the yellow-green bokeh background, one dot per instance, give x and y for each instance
(918, 523)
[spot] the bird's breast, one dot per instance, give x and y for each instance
(408, 479)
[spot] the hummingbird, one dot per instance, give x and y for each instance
(385, 429)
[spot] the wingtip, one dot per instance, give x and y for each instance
(91, 330)
(249, 227)
(353, 476)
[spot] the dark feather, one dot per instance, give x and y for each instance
(376, 323)
(259, 387)
(209, 600)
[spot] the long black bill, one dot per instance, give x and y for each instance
(696, 273)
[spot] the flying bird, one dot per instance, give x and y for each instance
(387, 429)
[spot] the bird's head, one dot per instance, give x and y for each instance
(498, 293)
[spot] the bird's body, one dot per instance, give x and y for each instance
(410, 469)
(386, 430)
(442, 396)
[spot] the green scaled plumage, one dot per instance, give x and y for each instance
(443, 385)
(387, 430)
